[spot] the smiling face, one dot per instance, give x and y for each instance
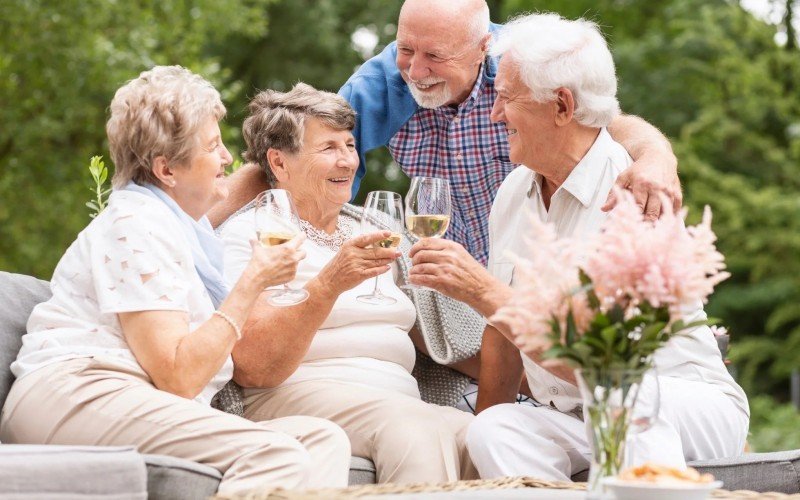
(321, 173)
(531, 125)
(437, 55)
(201, 183)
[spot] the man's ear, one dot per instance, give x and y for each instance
(565, 106)
(485, 43)
(163, 171)
(277, 163)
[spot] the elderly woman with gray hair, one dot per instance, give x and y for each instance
(332, 356)
(137, 336)
(556, 88)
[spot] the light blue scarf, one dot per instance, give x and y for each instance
(206, 247)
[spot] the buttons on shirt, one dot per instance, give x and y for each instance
(553, 390)
(459, 157)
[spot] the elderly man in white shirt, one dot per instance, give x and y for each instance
(556, 93)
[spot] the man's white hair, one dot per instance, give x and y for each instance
(552, 52)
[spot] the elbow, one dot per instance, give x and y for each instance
(182, 388)
(264, 378)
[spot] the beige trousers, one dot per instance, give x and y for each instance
(409, 441)
(92, 401)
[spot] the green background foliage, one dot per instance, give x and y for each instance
(706, 72)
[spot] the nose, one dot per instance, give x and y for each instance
(346, 158)
(498, 114)
(417, 69)
(227, 158)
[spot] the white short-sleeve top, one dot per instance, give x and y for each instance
(357, 344)
(132, 257)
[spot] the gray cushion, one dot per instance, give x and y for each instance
(18, 295)
(362, 471)
(777, 471)
(62, 472)
(172, 478)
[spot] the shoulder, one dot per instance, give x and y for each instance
(135, 221)
(378, 71)
(618, 157)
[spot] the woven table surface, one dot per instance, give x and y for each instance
(478, 484)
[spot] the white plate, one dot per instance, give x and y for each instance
(629, 490)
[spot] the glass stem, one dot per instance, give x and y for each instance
(376, 292)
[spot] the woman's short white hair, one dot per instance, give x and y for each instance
(158, 114)
(552, 52)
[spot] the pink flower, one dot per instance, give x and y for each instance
(631, 262)
(547, 287)
(663, 263)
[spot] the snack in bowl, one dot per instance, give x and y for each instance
(659, 482)
(661, 474)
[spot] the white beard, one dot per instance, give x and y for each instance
(430, 99)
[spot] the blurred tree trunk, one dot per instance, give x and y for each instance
(791, 34)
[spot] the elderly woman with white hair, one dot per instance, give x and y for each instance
(138, 334)
(556, 88)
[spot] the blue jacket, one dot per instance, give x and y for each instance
(383, 102)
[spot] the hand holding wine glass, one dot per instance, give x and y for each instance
(383, 211)
(276, 223)
(428, 209)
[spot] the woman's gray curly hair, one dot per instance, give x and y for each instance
(277, 121)
(158, 114)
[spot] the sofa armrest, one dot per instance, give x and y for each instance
(50, 471)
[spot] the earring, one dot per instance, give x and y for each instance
(172, 184)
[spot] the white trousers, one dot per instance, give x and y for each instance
(696, 421)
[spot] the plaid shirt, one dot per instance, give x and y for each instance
(464, 146)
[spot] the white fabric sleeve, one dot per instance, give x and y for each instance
(141, 264)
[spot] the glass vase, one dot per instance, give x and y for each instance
(609, 396)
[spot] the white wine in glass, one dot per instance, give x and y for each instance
(428, 209)
(277, 222)
(383, 211)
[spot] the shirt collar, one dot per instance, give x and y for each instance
(469, 102)
(583, 181)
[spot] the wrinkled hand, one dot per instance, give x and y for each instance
(648, 180)
(276, 265)
(358, 260)
(447, 267)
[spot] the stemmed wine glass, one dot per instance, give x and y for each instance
(383, 211)
(277, 222)
(427, 210)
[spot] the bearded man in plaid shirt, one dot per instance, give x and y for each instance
(428, 97)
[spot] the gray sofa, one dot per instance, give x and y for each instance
(31, 471)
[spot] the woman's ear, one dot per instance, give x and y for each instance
(163, 171)
(277, 162)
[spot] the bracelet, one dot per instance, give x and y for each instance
(231, 322)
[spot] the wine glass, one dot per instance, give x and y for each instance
(383, 211)
(277, 222)
(427, 210)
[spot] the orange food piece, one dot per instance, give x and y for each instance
(653, 473)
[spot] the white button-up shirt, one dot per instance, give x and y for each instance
(575, 210)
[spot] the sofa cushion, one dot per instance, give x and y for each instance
(362, 471)
(18, 295)
(47, 472)
(777, 471)
(176, 478)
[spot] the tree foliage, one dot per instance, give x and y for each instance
(61, 63)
